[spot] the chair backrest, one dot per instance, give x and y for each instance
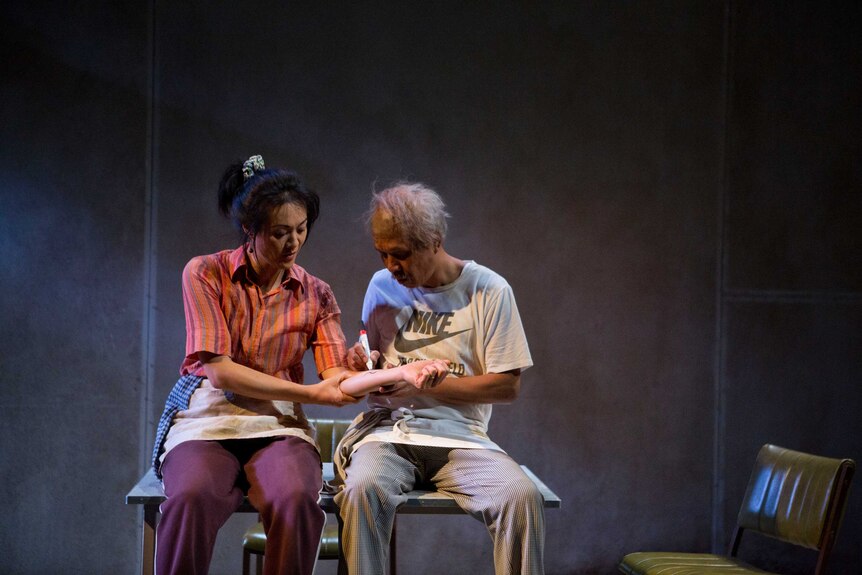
(797, 498)
(329, 433)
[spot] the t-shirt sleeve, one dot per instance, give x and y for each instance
(368, 304)
(505, 342)
(206, 327)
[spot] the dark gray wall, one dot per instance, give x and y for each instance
(672, 189)
(791, 283)
(73, 181)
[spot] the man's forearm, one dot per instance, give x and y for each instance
(486, 388)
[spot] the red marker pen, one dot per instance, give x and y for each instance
(363, 339)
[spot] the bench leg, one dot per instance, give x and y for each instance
(392, 547)
(342, 563)
(148, 545)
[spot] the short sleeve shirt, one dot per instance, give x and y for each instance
(473, 322)
(227, 314)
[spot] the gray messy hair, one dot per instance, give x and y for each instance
(418, 212)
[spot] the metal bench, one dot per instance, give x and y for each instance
(149, 493)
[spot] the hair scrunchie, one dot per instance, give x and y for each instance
(252, 165)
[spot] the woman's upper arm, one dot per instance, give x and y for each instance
(206, 327)
(328, 343)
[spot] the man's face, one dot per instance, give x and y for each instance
(410, 267)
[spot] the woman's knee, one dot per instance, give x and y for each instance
(203, 493)
(294, 496)
(202, 502)
(285, 497)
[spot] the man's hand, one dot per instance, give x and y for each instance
(425, 374)
(357, 360)
(417, 376)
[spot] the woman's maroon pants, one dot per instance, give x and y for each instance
(204, 482)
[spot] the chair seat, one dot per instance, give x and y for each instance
(254, 541)
(656, 562)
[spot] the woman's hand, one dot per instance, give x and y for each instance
(328, 392)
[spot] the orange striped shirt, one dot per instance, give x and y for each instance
(227, 314)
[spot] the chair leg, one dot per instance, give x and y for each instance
(245, 562)
(259, 564)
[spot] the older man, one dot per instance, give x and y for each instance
(428, 304)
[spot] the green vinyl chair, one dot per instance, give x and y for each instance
(794, 497)
(329, 433)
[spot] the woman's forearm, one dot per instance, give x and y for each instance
(228, 375)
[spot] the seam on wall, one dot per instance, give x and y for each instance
(793, 296)
(146, 426)
(718, 484)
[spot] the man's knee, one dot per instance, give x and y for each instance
(361, 484)
(530, 493)
(522, 493)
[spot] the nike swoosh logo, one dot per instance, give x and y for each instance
(407, 345)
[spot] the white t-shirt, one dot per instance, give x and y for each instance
(473, 322)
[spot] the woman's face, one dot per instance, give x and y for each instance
(277, 244)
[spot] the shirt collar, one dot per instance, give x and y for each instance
(239, 266)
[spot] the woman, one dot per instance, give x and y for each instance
(233, 422)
